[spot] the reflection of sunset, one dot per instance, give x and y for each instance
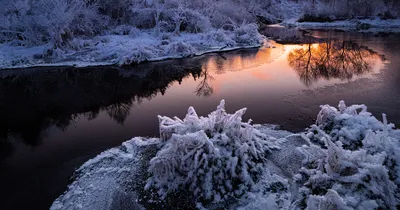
(334, 59)
(279, 68)
(261, 75)
(220, 64)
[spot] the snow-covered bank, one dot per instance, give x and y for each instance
(360, 15)
(134, 47)
(105, 32)
(347, 160)
(361, 25)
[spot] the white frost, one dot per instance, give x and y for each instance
(347, 160)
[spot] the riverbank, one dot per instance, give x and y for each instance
(373, 25)
(130, 48)
(135, 46)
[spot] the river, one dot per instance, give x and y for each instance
(54, 119)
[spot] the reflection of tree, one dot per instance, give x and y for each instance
(119, 111)
(32, 101)
(91, 115)
(333, 59)
(6, 147)
(204, 88)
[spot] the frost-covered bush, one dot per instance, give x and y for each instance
(239, 34)
(216, 158)
(118, 10)
(60, 26)
(179, 48)
(125, 30)
(247, 34)
(143, 18)
(219, 37)
(352, 162)
(192, 21)
(227, 11)
(31, 22)
(139, 54)
(348, 124)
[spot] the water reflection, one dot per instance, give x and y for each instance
(91, 104)
(119, 111)
(285, 35)
(333, 59)
(32, 101)
(241, 60)
(204, 88)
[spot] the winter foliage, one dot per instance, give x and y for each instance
(218, 157)
(347, 160)
(350, 163)
(63, 30)
(121, 32)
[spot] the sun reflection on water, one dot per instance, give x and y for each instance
(290, 65)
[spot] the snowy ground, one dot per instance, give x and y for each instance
(347, 160)
(134, 46)
(362, 25)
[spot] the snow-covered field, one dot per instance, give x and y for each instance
(347, 160)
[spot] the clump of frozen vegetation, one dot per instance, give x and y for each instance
(218, 157)
(347, 160)
(349, 125)
(246, 34)
(351, 162)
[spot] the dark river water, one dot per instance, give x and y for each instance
(54, 119)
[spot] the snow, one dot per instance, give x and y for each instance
(101, 181)
(361, 25)
(352, 157)
(123, 32)
(217, 149)
(362, 16)
(347, 160)
(128, 49)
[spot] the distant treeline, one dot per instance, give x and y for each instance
(344, 9)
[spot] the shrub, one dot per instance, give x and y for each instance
(217, 158)
(49, 20)
(352, 162)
